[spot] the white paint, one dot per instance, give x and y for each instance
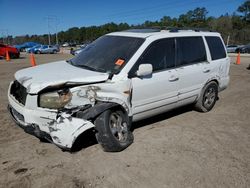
(37, 78)
(162, 91)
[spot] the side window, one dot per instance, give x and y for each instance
(190, 50)
(161, 54)
(216, 47)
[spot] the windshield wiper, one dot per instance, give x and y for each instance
(91, 68)
(85, 66)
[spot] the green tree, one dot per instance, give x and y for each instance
(245, 10)
(193, 18)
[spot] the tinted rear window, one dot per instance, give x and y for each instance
(216, 47)
(190, 50)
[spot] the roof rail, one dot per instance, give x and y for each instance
(144, 30)
(170, 29)
(176, 29)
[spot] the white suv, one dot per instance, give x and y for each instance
(119, 78)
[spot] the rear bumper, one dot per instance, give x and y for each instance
(224, 82)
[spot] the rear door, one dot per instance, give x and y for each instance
(156, 93)
(219, 61)
(192, 66)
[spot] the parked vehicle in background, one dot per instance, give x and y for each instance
(85, 44)
(244, 49)
(21, 47)
(69, 44)
(118, 79)
(232, 48)
(65, 44)
(77, 51)
(13, 52)
(33, 49)
(46, 49)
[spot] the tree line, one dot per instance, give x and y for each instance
(235, 27)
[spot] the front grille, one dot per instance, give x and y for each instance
(18, 92)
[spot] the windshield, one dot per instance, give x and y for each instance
(107, 54)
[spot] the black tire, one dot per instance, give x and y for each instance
(38, 52)
(208, 97)
(54, 51)
(113, 132)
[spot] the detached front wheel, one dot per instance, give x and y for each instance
(113, 130)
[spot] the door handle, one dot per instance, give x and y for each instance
(206, 70)
(173, 78)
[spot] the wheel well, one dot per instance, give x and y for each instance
(214, 80)
(93, 112)
(119, 107)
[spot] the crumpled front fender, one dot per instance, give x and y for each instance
(66, 129)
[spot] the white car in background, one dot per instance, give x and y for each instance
(46, 49)
(119, 78)
(232, 48)
(65, 44)
(77, 51)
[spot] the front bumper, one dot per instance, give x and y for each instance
(60, 128)
(32, 129)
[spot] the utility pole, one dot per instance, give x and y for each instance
(56, 38)
(50, 19)
(56, 23)
(47, 18)
(5, 34)
(247, 14)
(228, 38)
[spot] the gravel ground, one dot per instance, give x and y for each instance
(181, 148)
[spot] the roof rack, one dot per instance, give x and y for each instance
(176, 29)
(144, 30)
(170, 29)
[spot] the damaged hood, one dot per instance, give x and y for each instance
(37, 78)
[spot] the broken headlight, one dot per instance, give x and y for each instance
(55, 100)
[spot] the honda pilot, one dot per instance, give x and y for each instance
(120, 78)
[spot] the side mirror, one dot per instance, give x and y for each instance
(144, 70)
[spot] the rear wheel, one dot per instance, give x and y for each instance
(113, 132)
(208, 98)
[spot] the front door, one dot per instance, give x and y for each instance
(156, 93)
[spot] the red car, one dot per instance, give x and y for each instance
(13, 52)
